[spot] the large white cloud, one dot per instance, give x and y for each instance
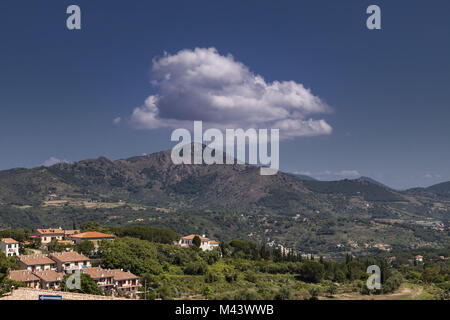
(203, 85)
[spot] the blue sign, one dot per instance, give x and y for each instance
(49, 297)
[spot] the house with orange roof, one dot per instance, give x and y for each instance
(50, 279)
(26, 277)
(119, 281)
(36, 262)
(93, 236)
(125, 282)
(9, 247)
(48, 235)
(69, 262)
(205, 243)
(103, 277)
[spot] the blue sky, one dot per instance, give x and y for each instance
(389, 89)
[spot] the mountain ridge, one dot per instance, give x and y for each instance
(225, 201)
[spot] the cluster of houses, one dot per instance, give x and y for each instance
(10, 247)
(47, 271)
(75, 237)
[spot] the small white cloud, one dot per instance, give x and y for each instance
(117, 120)
(305, 173)
(432, 176)
(348, 173)
(52, 161)
(201, 84)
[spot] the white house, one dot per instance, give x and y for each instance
(205, 243)
(9, 246)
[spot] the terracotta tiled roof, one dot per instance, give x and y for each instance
(50, 275)
(22, 276)
(120, 275)
(9, 241)
(92, 235)
(37, 259)
(98, 273)
(213, 242)
(71, 232)
(192, 236)
(50, 232)
(68, 257)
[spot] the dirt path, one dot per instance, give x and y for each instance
(404, 293)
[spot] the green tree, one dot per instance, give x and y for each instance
(224, 249)
(211, 256)
(55, 246)
(393, 282)
(263, 252)
(356, 270)
(91, 226)
(431, 274)
(86, 247)
(4, 267)
(88, 285)
(312, 271)
(137, 256)
(196, 241)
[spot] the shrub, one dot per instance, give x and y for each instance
(211, 277)
(195, 268)
(283, 294)
(250, 276)
(231, 277)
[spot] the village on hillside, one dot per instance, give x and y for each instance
(142, 262)
(47, 271)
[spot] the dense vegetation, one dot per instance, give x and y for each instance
(370, 191)
(242, 269)
(6, 264)
(136, 231)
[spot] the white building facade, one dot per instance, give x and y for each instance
(9, 247)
